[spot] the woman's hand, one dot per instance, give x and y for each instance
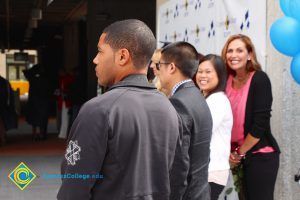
(234, 159)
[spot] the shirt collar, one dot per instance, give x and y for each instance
(178, 85)
(134, 80)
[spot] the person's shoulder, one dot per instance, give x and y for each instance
(186, 97)
(101, 103)
(188, 92)
(217, 96)
(260, 77)
(218, 99)
(120, 97)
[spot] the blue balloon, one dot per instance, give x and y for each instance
(285, 35)
(295, 9)
(285, 7)
(295, 68)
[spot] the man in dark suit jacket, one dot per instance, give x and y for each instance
(189, 175)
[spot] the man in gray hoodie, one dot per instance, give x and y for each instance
(124, 140)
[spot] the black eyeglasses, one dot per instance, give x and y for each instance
(157, 65)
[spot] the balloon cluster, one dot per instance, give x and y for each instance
(285, 34)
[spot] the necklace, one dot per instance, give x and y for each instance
(240, 81)
(242, 78)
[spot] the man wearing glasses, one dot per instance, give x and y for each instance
(177, 65)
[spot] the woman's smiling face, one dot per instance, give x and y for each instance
(206, 77)
(237, 55)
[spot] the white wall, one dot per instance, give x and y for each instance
(158, 3)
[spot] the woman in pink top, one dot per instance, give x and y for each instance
(250, 94)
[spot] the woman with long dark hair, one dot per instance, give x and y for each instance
(211, 79)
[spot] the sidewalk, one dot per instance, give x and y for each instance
(41, 157)
(39, 188)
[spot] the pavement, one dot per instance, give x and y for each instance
(40, 188)
(41, 157)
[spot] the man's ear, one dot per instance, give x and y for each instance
(123, 56)
(172, 68)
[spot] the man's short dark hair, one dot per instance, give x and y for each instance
(183, 55)
(133, 35)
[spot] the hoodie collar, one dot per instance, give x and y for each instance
(134, 80)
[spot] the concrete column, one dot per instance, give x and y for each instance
(285, 119)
